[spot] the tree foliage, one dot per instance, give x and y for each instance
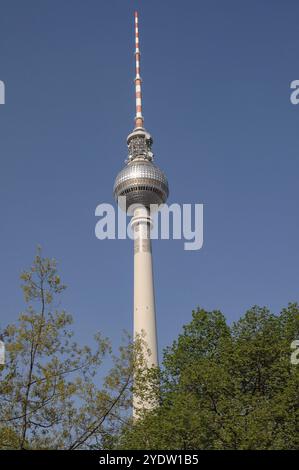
(52, 393)
(226, 387)
(220, 386)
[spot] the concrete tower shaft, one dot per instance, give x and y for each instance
(144, 295)
(144, 300)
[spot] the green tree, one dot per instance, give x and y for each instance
(226, 387)
(51, 393)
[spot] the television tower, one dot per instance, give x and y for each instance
(143, 184)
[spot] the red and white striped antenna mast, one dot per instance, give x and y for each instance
(138, 118)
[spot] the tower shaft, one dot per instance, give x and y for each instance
(144, 297)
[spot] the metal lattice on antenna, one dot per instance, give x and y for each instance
(138, 118)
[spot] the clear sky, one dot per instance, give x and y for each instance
(216, 86)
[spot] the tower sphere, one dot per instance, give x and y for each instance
(141, 181)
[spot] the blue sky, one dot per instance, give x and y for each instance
(216, 88)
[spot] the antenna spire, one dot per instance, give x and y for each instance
(138, 118)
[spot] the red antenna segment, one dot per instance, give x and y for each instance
(138, 118)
